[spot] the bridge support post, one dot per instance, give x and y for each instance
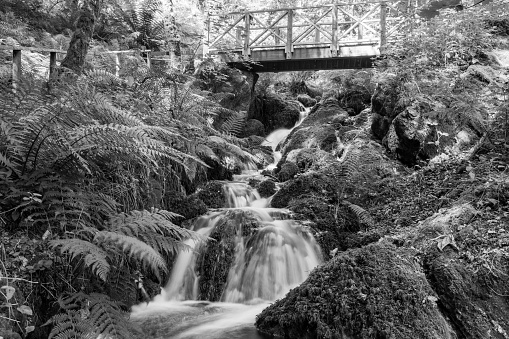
(52, 63)
(16, 69)
(247, 31)
(289, 35)
(383, 26)
(334, 42)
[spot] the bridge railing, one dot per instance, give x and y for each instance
(333, 26)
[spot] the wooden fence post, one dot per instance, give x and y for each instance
(247, 31)
(16, 69)
(52, 63)
(149, 60)
(334, 42)
(289, 35)
(383, 26)
(206, 39)
(117, 64)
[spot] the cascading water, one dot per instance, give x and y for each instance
(269, 260)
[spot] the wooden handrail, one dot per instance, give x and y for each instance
(17, 50)
(335, 24)
(31, 49)
(270, 10)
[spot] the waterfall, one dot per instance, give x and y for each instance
(272, 254)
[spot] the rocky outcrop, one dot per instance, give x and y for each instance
(373, 292)
(274, 112)
(422, 127)
(236, 85)
(422, 283)
(385, 105)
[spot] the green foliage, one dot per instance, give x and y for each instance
(145, 27)
(89, 315)
(452, 38)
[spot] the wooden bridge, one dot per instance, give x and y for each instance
(336, 36)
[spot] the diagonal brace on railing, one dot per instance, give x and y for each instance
(359, 22)
(269, 28)
(228, 30)
(313, 26)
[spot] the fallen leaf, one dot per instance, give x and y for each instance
(9, 292)
(25, 310)
(447, 240)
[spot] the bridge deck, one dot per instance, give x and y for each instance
(307, 58)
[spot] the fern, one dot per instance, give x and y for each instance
(228, 121)
(93, 256)
(89, 316)
(134, 249)
(362, 215)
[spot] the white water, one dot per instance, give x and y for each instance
(278, 257)
(279, 135)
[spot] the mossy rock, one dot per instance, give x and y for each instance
(267, 188)
(187, 206)
(287, 172)
(372, 292)
(306, 100)
(302, 185)
(274, 112)
(216, 258)
(319, 128)
(212, 194)
(253, 127)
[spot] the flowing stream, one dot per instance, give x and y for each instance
(270, 258)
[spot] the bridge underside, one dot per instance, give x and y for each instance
(305, 64)
(303, 59)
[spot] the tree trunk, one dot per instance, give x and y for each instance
(78, 47)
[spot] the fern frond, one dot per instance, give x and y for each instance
(102, 76)
(205, 152)
(134, 249)
(88, 316)
(93, 256)
(362, 215)
(229, 121)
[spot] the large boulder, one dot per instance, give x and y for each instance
(318, 131)
(216, 259)
(274, 112)
(266, 188)
(287, 172)
(420, 131)
(376, 291)
(212, 194)
(306, 100)
(188, 207)
(253, 127)
(301, 185)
